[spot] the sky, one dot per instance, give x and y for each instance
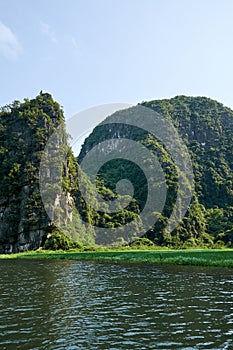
(92, 52)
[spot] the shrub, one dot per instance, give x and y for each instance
(58, 240)
(141, 242)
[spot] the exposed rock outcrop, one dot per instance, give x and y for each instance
(24, 130)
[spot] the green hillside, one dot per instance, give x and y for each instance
(206, 127)
(68, 219)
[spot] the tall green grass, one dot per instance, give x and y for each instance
(223, 257)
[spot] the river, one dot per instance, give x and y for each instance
(57, 304)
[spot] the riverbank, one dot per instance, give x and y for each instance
(207, 257)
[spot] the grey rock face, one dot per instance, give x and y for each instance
(24, 131)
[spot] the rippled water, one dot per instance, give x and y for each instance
(83, 305)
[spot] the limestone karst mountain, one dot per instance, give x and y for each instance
(206, 127)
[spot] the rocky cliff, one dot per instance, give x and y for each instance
(206, 127)
(24, 130)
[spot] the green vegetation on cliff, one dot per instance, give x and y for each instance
(204, 125)
(24, 131)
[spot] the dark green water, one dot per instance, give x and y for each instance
(82, 305)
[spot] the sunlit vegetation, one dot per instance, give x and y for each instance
(221, 258)
(206, 127)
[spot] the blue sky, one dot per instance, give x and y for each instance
(90, 52)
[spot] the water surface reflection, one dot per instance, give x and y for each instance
(83, 305)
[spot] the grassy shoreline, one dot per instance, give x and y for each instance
(207, 257)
